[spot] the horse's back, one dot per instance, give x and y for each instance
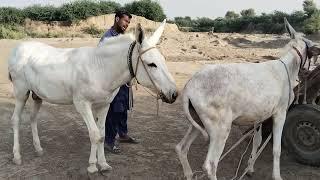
(239, 86)
(37, 52)
(238, 72)
(43, 69)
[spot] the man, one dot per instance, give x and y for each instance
(116, 120)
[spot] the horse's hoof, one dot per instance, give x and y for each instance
(92, 176)
(17, 161)
(105, 167)
(92, 169)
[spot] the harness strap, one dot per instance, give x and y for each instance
(299, 54)
(285, 66)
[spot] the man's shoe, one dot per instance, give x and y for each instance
(112, 148)
(128, 139)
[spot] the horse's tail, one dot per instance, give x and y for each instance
(193, 116)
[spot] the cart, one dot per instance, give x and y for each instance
(301, 132)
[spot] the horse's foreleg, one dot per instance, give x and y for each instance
(278, 122)
(101, 112)
(84, 108)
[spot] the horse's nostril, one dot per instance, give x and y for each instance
(174, 95)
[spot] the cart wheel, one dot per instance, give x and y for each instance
(301, 134)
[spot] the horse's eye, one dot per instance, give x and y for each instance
(152, 65)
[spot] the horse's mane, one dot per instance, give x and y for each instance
(292, 42)
(116, 39)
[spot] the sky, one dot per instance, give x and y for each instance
(195, 8)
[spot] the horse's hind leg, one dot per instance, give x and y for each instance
(182, 150)
(21, 96)
(218, 127)
(37, 102)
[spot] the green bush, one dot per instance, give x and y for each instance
(183, 21)
(73, 11)
(93, 30)
(42, 13)
(307, 21)
(107, 7)
(146, 8)
(79, 10)
(11, 32)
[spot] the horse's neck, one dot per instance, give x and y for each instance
(113, 64)
(292, 61)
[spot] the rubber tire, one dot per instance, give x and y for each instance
(298, 114)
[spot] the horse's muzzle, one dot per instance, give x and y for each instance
(171, 99)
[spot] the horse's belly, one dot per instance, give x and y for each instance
(59, 101)
(55, 93)
(251, 118)
(244, 121)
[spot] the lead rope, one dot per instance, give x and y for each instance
(130, 98)
(240, 161)
(251, 132)
(257, 155)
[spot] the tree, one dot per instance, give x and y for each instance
(248, 13)
(77, 10)
(107, 7)
(231, 15)
(309, 7)
(41, 13)
(277, 16)
(203, 24)
(312, 24)
(146, 8)
(183, 21)
(10, 15)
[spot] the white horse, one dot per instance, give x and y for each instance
(243, 93)
(89, 78)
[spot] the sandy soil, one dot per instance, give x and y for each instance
(65, 140)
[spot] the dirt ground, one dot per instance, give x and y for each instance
(65, 140)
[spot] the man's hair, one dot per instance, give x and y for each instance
(121, 13)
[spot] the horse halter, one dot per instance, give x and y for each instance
(134, 73)
(303, 61)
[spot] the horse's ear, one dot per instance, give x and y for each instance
(153, 40)
(139, 33)
(290, 29)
